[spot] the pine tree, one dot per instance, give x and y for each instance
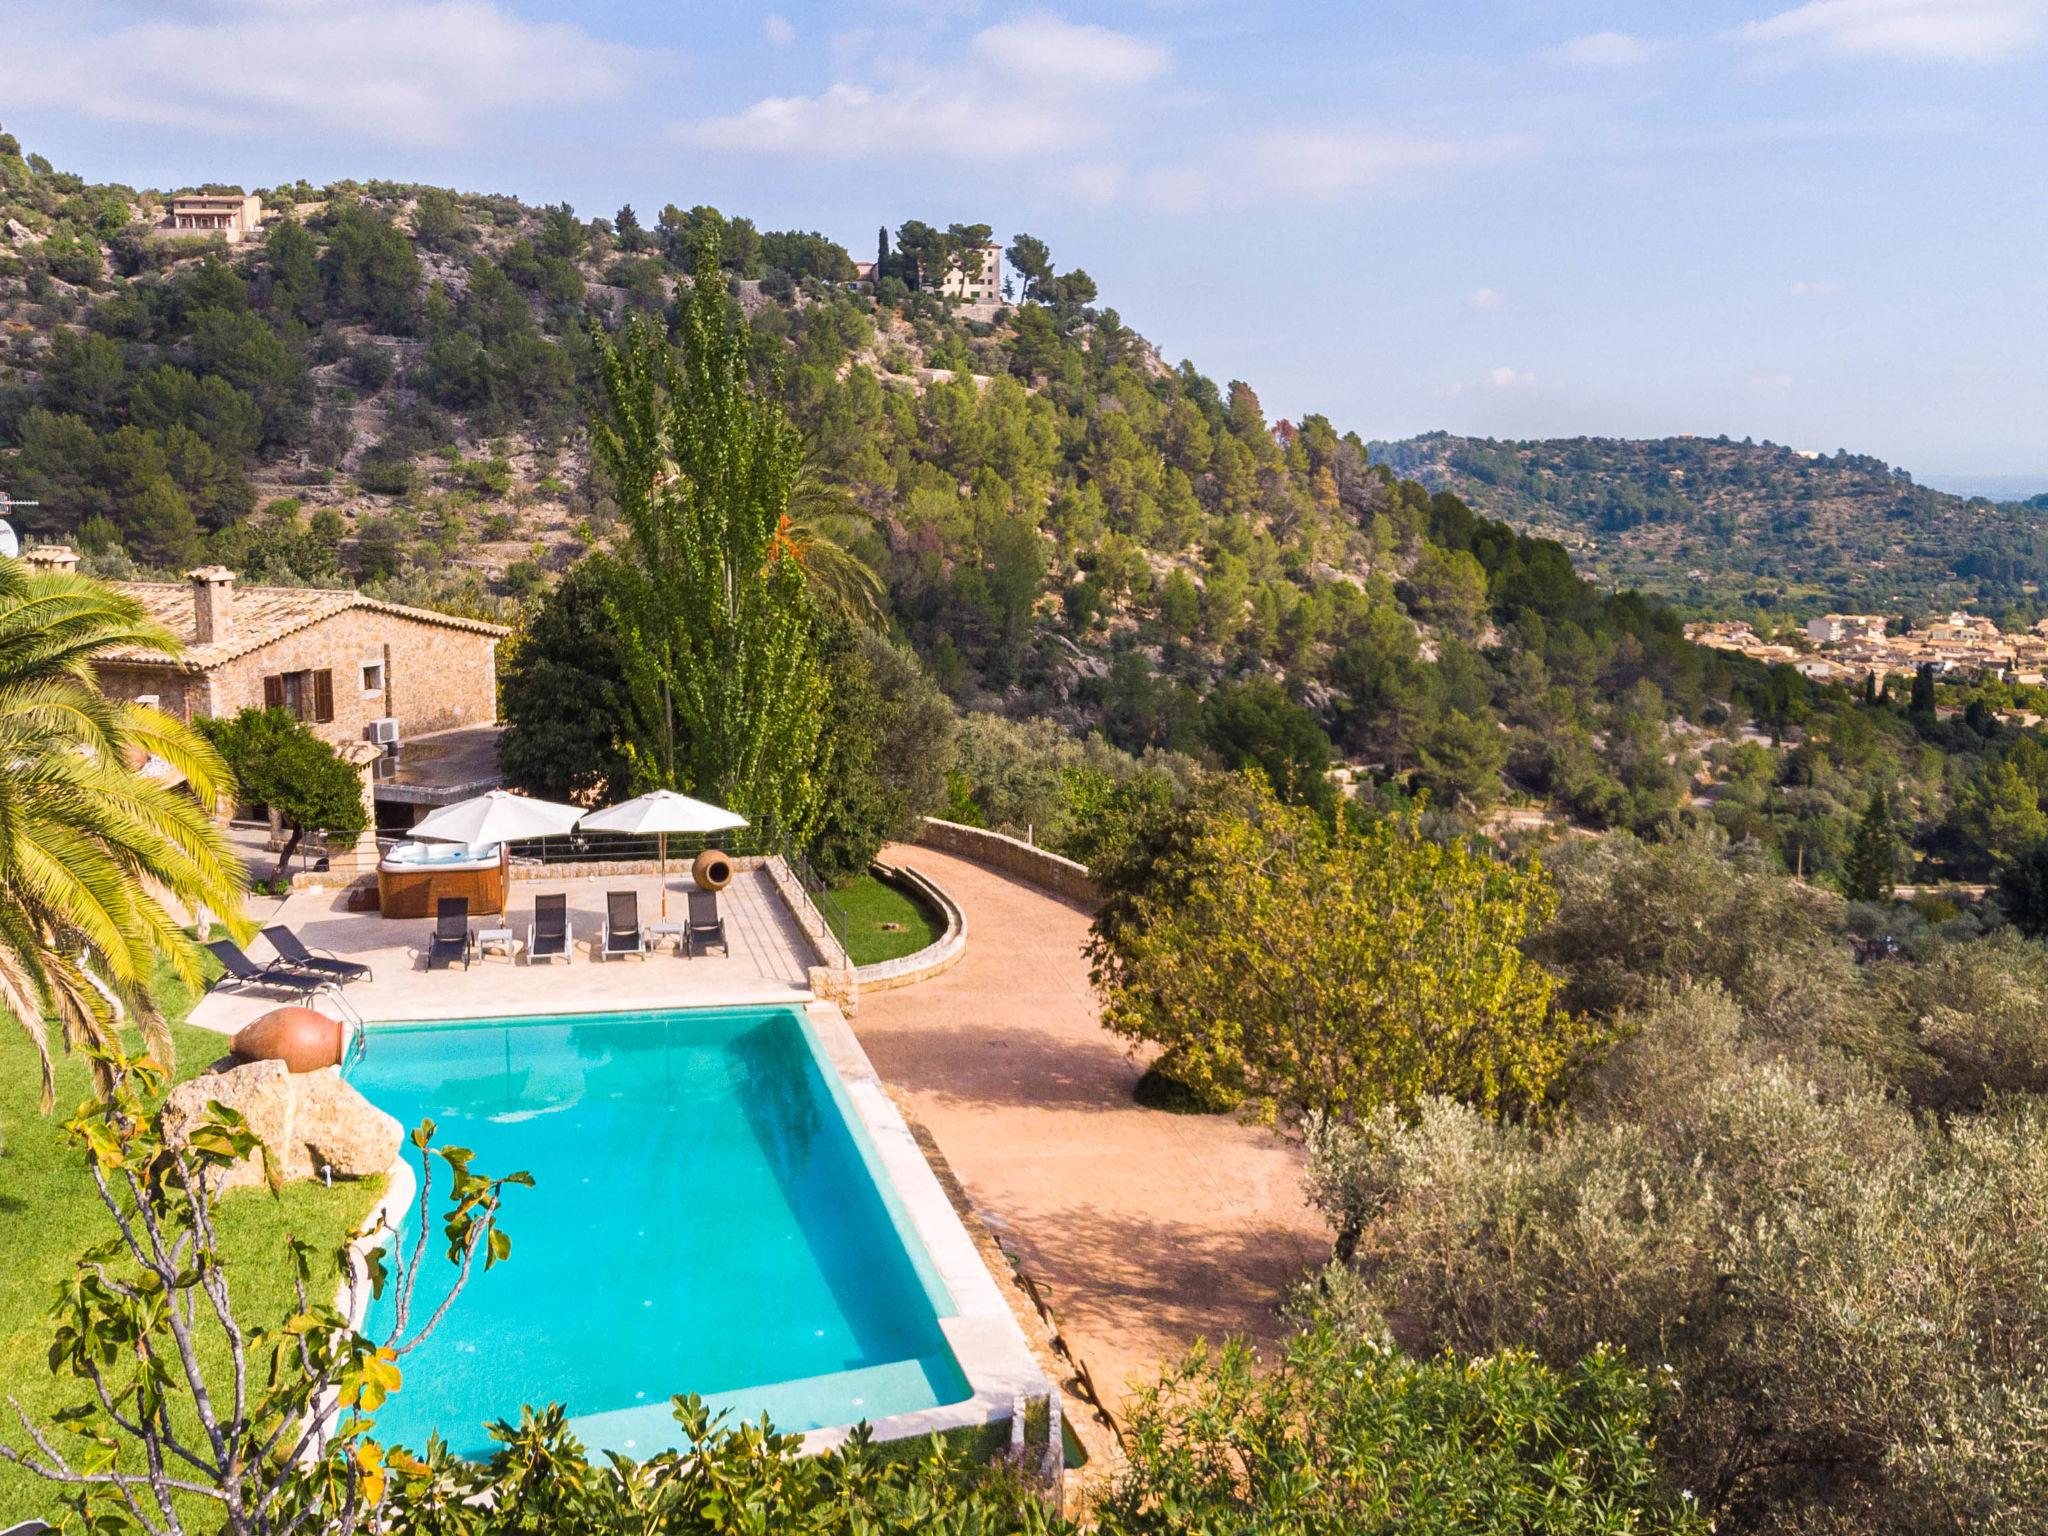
(1867, 875)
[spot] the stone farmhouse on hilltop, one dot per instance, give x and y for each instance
(233, 216)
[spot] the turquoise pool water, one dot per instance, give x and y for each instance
(707, 1217)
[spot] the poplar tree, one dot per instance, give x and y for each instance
(725, 695)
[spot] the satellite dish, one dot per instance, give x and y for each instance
(10, 546)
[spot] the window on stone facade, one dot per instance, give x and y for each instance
(373, 677)
(308, 695)
(148, 701)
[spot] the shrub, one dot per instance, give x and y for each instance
(1845, 1299)
(493, 477)
(385, 476)
(1347, 1435)
(370, 367)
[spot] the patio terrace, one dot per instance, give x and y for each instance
(770, 955)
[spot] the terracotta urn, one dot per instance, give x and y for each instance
(303, 1040)
(712, 870)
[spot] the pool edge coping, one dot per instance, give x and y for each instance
(987, 1343)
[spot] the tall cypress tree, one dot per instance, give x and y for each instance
(1873, 854)
(1922, 701)
(726, 697)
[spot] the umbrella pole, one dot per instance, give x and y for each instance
(662, 843)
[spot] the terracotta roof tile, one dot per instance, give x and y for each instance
(261, 615)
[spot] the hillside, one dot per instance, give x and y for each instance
(1100, 561)
(1716, 524)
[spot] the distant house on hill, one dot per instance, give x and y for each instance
(982, 286)
(1836, 628)
(232, 216)
(412, 691)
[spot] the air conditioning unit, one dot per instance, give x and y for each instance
(383, 732)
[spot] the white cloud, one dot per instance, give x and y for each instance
(413, 72)
(1814, 290)
(848, 121)
(1326, 165)
(1484, 300)
(1938, 31)
(1096, 183)
(1028, 86)
(1609, 50)
(1494, 378)
(1320, 165)
(778, 30)
(1065, 56)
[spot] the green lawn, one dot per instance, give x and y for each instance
(49, 1212)
(869, 906)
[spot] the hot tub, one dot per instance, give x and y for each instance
(413, 878)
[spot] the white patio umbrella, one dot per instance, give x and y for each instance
(499, 816)
(662, 811)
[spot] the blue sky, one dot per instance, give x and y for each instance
(1817, 222)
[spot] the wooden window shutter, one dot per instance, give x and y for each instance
(273, 691)
(323, 695)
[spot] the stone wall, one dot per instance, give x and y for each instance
(1013, 856)
(942, 954)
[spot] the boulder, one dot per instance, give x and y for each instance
(343, 1131)
(311, 1121)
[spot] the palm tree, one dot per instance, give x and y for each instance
(97, 855)
(819, 531)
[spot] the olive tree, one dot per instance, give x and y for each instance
(1846, 1299)
(1333, 968)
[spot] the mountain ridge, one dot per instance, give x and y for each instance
(1718, 523)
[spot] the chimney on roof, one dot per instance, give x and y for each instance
(213, 604)
(49, 557)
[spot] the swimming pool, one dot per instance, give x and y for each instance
(708, 1216)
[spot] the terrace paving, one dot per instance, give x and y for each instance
(1148, 1228)
(767, 963)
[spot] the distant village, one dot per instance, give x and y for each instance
(1848, 647)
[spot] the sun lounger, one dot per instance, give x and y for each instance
(547, 936)
(452, 940)
(706, 926)
(239, 971)
(292, 950)
(623, 934)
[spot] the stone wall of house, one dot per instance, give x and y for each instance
(433, 678)
(1013, 856)
(180, 694)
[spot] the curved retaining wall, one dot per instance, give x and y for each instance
(1013, 856)
(942, 954)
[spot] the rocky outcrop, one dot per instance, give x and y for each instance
(312, 1122)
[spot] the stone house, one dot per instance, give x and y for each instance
(233, 216)
(978, 286)
(407, 693)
